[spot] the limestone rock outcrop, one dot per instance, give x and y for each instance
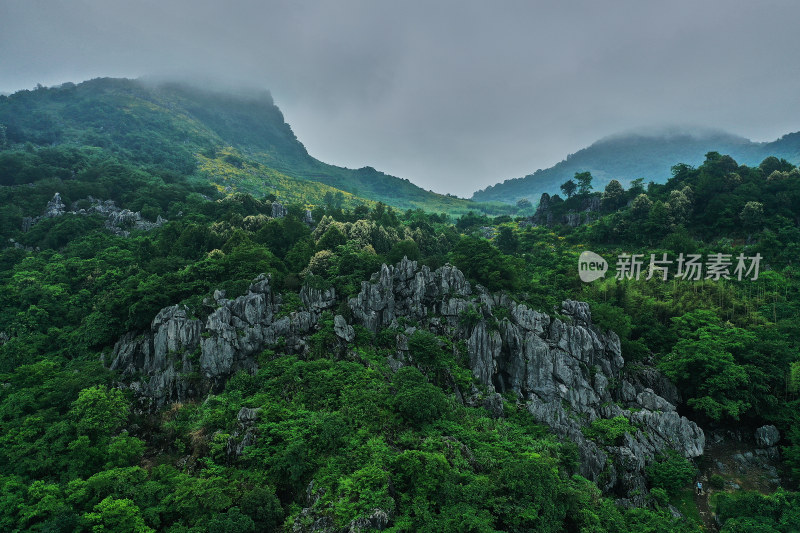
(118, 220)
(564, 369)
(182, 357)
(544, 216)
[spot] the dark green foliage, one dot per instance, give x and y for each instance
(416, 401)
(628, 158)
(751, 511)
(406, 248)
(672, 472)
(483, 263)
(76, 453)
(568, 188)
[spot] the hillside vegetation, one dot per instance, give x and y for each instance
(325, 430)
(178, 128)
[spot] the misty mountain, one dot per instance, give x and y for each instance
(238, 140)
(645, 155)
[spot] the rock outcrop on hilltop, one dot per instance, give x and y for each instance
(118, 220)
(589, 211)
(564, 370)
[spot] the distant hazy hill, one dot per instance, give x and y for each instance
(631, 156)
(239, 141)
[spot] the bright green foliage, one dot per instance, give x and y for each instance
(77, 455)
(671, 472)
(707, 363)
(610, 431)
(116, 515)
(99, 412)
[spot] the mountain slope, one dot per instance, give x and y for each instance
(631, 156)
(174, 126)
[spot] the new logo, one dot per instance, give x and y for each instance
(591, 266)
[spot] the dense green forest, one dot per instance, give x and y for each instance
(340, 430)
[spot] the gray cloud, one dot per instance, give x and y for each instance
(453, 95)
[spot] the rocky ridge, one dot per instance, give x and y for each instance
(118, 220)
(564, 370)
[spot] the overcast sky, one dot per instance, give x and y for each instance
(454, 96)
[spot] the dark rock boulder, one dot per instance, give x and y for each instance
(767, 436)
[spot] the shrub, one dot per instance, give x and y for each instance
(671, 472)
(609, 431)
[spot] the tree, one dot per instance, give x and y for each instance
(679, 206)
(614, 195)
(99, 412)
(640, 208)
(707, 364)
(480, 261)
(118, 515)
(231, 521)
(568, 188)
(773, 164)
(405, 248)
(506, 239)
(659, 221)
(584, 180)
(332, 238)
(752, 215)
(636, 188)
(523, 204)
(417, 401)
(671, 473)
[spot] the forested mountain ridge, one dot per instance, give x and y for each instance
(238, 365)
(238, 141)
(649, 156)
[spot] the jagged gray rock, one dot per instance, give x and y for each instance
(342, 329)
(247, 417)
(278, 210)
(562, 369)
(182, 356)
(566, 371)
(119, 221)
(55, 207)
(544, 212)
(494, 404)
(767, 436)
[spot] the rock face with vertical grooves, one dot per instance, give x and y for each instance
(182, 357)
(566, 371)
